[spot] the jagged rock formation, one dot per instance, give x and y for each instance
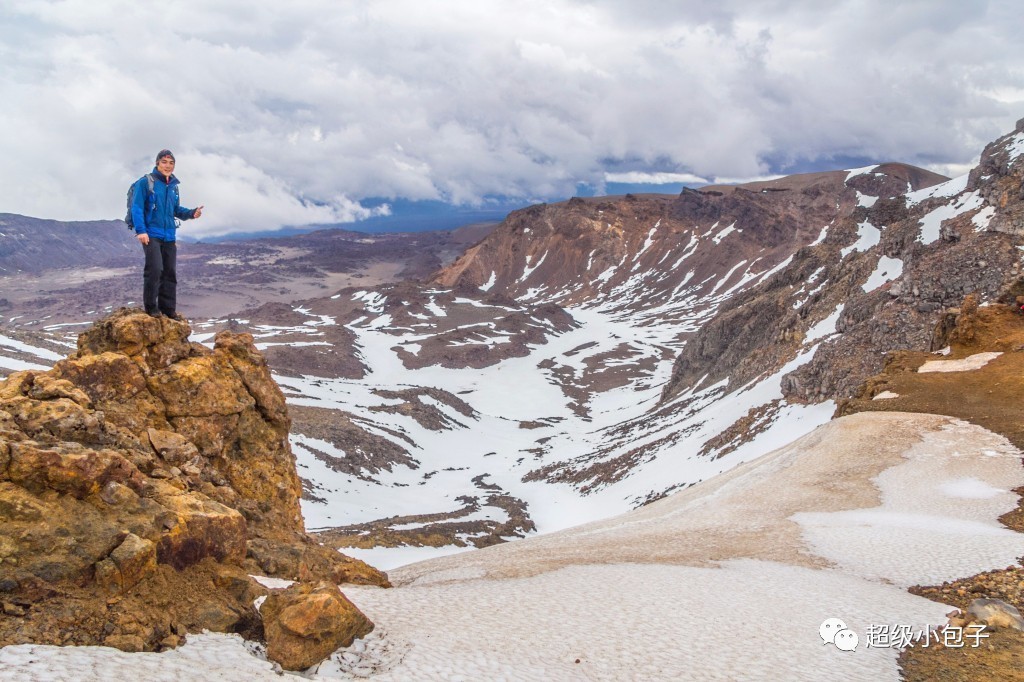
(141, 480)
(877, 282)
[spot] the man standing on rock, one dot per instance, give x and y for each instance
(155, 214)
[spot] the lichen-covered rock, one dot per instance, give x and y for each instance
(141, 469)
(69, 468)
(307, 622)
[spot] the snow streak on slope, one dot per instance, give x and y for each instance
(573, 429)
(17, 355)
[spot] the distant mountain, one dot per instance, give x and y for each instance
(72, 273)
(669, 257)
(32, 245)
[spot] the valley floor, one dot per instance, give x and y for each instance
(731, 579)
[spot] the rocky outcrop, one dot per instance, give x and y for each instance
(997, 178)
(884, 275)
(141, 480)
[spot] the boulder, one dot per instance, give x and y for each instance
(996, 613)
(306, 622)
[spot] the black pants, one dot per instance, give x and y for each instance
(160, 279)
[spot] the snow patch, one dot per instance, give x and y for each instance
(826, 327)
(969, 488)
(932, 222)
(14, 344)
(983, 217)
(859, 171)
(867, 236)
(717, 239)
(950, 188)
(976, 361)
(865, 200)
(887, 270)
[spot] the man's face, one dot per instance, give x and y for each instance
(165, 165)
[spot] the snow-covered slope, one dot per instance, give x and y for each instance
(555, 420)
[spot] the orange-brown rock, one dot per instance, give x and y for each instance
(133, 560)
(144, 464)
(173, 448)
(195, 527)
(69, 468)
(306, 622)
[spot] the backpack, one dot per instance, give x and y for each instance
(131, 199)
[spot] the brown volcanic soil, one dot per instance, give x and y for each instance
(991, 397)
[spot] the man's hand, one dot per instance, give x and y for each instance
(198, 212)
(143, 239)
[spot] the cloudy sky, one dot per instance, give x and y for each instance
(313, 111)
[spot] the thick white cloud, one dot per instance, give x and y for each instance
(638, 177)
(290, 113)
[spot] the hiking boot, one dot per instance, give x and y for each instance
(175, 316)
(155, 313)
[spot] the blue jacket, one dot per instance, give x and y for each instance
(154, 213)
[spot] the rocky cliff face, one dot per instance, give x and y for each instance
(668, 257)
(141, 480)
(878, 281)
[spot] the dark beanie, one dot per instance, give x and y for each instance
(163, 153)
